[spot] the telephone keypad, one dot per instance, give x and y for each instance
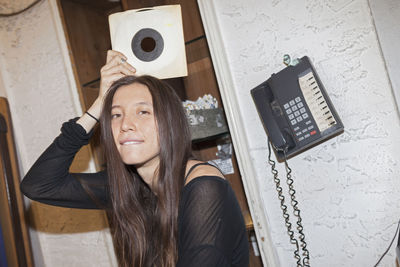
(299, 116)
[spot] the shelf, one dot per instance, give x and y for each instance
(211, 137)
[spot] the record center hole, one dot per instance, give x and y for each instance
(148, 44)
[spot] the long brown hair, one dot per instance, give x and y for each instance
(143, 221)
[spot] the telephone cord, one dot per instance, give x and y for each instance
(285, 214)
(390, 245)
(296, 212)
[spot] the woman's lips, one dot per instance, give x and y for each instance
(131, 142)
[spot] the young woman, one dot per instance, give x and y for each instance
(165, 208)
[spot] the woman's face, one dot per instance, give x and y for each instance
(134, 125)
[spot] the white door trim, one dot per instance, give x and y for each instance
(236, 126)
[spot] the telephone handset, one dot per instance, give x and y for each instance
(272, 113)
(297, 114)
(296, 110)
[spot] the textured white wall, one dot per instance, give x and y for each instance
(38, 90)
(348, 187)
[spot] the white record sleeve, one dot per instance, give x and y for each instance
(133, 30)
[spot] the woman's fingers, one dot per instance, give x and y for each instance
(114, 61)
(112, 54)
(129, 66)
(117, 62)
(115, 68)
(125, 68)
(109, 76)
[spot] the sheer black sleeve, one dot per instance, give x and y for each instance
(211, 229)
(49, 180)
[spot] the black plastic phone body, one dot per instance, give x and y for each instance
(295, 109)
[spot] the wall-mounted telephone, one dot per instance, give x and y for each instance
(297, 114)
(296, 110)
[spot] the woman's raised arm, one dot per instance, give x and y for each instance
(116, 67)
(49, 180)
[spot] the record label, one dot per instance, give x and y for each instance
(147, 44)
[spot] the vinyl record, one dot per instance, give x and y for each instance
(151, 39)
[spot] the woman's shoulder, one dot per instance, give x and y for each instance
(196, 169)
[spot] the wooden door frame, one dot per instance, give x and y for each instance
(236, 127)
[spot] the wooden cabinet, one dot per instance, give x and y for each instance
(87, 30)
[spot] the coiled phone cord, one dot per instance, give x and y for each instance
(296, 212)
(285, 214)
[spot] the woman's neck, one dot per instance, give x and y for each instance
(149, 171)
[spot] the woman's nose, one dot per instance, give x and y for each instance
(128, 124)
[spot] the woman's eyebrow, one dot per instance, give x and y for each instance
(136, 104)
(143, 103)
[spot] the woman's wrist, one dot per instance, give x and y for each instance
(96, 107)
(91, 117)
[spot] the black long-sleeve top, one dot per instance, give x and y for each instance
(211, 229)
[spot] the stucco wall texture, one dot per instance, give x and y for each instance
(348, 187)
